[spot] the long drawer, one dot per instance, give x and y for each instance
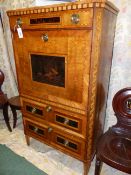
(71, 19)
(55, 137)
(68, 143)
(35, 130)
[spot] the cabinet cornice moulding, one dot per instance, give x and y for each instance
(64, 7)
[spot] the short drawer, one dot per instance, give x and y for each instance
(68, 144)
(67, 121)
(74, 122)
(74, 18)
(33, 109)
(34, 130)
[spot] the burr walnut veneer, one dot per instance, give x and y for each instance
(63, 66)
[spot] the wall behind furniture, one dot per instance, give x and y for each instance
(7, 64)
(121, 65)
(120, 73)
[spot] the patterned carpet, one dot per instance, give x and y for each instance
(49, 160)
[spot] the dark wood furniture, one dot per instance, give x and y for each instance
(63, 63)
(4, 102)
(114, 146)
(14, 103)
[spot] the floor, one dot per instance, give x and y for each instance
(49, 160)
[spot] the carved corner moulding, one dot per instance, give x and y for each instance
(62, 7)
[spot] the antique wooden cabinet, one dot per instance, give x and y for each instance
(63, 63)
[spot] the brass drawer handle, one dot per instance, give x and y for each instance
(19, 22)
(66, 142)
(33, 110)
(50, 130)
(75, 18)
(48, 109)
(45, 37)
(36, 129)
(66, 121)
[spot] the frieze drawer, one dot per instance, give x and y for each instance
(73, 19)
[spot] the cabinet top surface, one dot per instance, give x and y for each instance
(63, 7)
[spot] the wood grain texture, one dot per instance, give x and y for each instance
(95, 60)
(69, 118)
(73, 74)
(106, 54)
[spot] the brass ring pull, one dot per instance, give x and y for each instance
(48, 108)
(75, 18)
(45, 37)
(50, 129)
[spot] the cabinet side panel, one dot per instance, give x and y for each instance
(101, 60)
(94, 68)
(106, 53)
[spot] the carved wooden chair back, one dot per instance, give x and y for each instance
(114, 146)
(122, 108)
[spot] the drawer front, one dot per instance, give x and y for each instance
(35, 130)
(78, 18)
(33, 109)
(73, 122)
(73, 18)
(68, 144)
(66, 121)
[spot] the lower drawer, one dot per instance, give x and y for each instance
(55, 137)
(35, 130)
(69, 144)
